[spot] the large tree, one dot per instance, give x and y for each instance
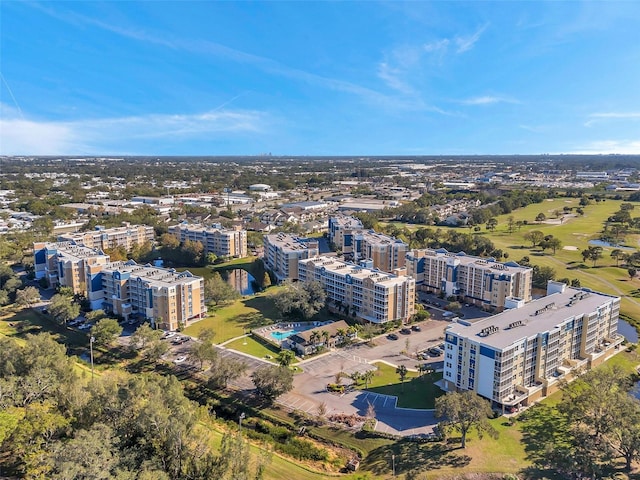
(27, 296)
(462, 412)
(106, 331)
(218, 291)
(271, 381)
(63, 309)
(304, 299)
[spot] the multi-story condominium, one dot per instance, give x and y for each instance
(283, 251)
(223, 242)
(341, 225)
(370, 294)
(168, 298)
(481, 281)
(126, 236)
(347, 234)
(518, 356)
(69, 265)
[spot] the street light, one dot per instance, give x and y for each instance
(393, 464)
(240, 418)
(91, 340)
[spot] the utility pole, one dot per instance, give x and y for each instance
(91, 340)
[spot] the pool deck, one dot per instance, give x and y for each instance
(284, 327)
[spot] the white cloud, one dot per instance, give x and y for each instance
(436, 46)
(28, 136)
(598, 117)
(466, 43)
(488, 100)
(628, 147)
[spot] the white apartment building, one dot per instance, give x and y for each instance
(368, 294)
(519, 356)
(283, 251)
(105, 238)
(223, 242)
(481, 281)
(169, 299)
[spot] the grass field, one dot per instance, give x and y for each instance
(254, 347)
(239, 317)
(417, 391)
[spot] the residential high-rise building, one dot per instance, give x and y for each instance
(356, 243)
(518, 356)
(69, 265)
(481, 281)
(168, 298)
(223, 242)
(283, 251)
(366, 293)
(126, 236)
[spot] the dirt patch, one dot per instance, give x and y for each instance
(570, 247)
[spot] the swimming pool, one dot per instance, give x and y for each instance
(286, 333)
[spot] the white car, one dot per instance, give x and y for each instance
(85, 326)
(169, 335)
(180, 359)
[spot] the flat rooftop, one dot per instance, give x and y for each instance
(288, 242)
(155, 275)
(75, 252)
(341, 268)
(535, 317)
(477, 262)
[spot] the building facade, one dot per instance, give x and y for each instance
(366, 293)
(520, 355)
(165, 297)
(66, 264)
(169, 299)
(283, 251)
(223, 242)
(356, 243)
(105, 238)
(481, 281)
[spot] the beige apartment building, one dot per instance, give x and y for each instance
(169, 299)
(520, 355)
(69, 265)
(223, 242)
(367, 294)
(166, 297)
(126, 236)
(481, 281)
(283, 251)
(357, 244)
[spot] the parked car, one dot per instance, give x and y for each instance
(85, 326)
(169, 334)
(435, 351)
(416, 328)
(392, 336)
(180, 359)
(406, 331)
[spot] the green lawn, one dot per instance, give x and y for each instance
(239, 317)
(416, 392)
(254, 347)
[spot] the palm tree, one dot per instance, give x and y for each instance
(314, 337)
(325, 336)
(367, 377)
(342, 334)
(402, 372)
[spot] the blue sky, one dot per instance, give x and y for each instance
(319, 78)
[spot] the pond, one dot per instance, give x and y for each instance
(602, 243)
(241, 280)
(627, 331)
